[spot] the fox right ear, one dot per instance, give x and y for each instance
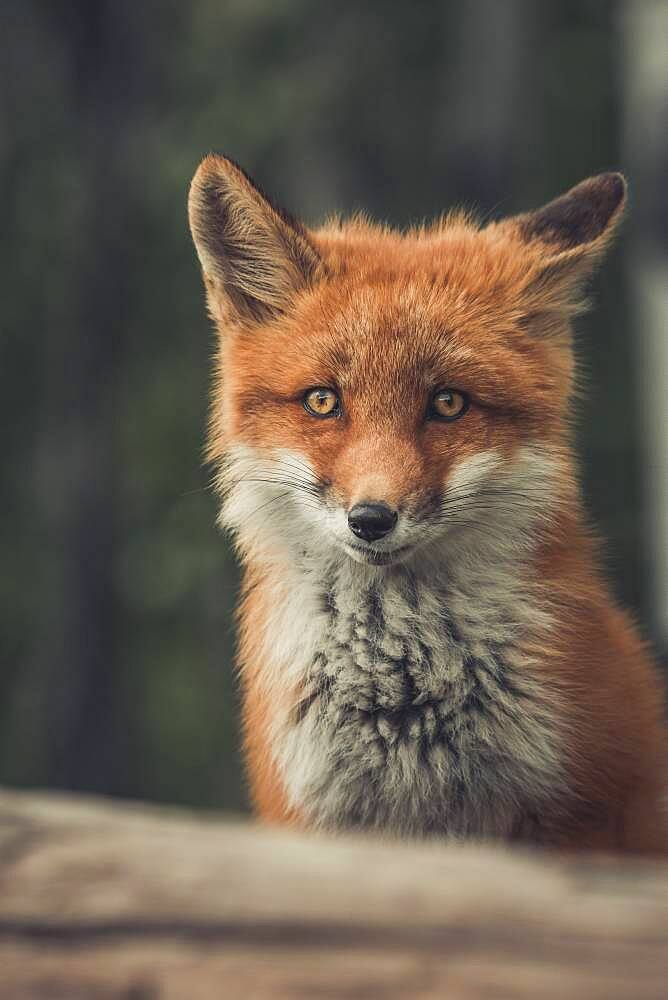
(254, 257)
(569, 236)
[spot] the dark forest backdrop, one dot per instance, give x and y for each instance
(115, 588)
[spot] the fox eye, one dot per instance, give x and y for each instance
(448, 404)
(322, 402)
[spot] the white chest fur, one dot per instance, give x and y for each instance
(419, 709)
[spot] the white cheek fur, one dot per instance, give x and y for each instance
(271, 504)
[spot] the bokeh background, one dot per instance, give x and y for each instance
(116, 591)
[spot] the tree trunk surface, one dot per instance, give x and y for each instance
(109, 900)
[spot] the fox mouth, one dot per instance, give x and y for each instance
(376, 557)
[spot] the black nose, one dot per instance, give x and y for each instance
(371, 521)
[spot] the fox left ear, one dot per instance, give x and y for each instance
(568, 236)
(254, 256)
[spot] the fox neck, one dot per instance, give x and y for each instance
(414, 704)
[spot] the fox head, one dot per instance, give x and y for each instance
(382, 396)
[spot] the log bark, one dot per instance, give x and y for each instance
(104, 900)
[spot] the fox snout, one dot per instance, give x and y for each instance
(371, 520)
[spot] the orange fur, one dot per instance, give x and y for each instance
(267, 792)
(491, 311)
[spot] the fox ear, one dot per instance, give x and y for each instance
(582, 219)
(568, 236)
(254, 256)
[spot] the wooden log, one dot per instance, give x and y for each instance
(103, 900)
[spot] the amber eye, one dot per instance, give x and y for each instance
(322, 402)
(448, 404)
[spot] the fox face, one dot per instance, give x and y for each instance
(388, 397)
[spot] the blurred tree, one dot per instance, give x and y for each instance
(644, 30)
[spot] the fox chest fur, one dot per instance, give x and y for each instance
(416, 708)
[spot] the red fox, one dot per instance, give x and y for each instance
(427, 646)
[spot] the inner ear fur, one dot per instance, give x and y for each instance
(565, 239)
(581, 218)
(254, 256)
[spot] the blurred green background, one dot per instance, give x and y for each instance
(116, 589)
